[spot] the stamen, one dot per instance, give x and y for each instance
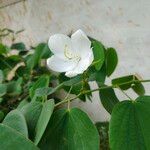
(68, 54)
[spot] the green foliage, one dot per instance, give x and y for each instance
(99, 55)
(18, 46)
(43, 120)
(11, 139)
(129, 125)
(43, 81)
(3, 89)
(30, 92)
(68, 129)
(14, 87)
(1, 116)
(1, 76)
(16, 120)
(108, 99)
(130, 81)
(32, 112)
(41, 51)
(111, 61)
(3, 49)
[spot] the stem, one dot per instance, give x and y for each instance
(94, 90)
(64, 101)
(67, 98)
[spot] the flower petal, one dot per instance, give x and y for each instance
(83, 64)
(71, 73)
(80, 42)
(57, 44)
(59, 65)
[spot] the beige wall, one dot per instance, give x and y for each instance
(124, 25)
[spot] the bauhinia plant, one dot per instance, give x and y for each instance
(31, 112)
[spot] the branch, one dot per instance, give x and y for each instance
(101, 88)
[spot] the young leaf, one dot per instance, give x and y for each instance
(70, 129)
(10, 139)
(108, 99)
(99, 55)
(16, 120)
(43, 120)
(130, 124)
(111, 61)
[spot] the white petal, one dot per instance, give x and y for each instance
(71, 73)
(80, 42)
(83, 64)
(57, 44)
(59, 65)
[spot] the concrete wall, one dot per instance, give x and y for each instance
(124, 25)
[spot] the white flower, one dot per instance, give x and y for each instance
(71, 55)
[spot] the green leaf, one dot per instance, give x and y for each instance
(1, 76)
(108, 99)
(46, 53)
(43, 81)
(16, 120)
(70, 129)
(14, 87)
(67, 82)
(3, 89)
(41, 51)
(23, 103)
(12, 140)
(111, 61)
(98, 76)
(3, 49)
(44, 118)
(127, 82)
(44, 91)
(73, 81)
(18, 46)
(31, 113)
(99, 55)
(138, 87)
(123, 82)
(1, 116)
(129, 125)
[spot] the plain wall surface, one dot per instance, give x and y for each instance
(124, 25)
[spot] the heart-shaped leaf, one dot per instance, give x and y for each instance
(16, 120)
(70, 129)
(10, 139)
(129, 125)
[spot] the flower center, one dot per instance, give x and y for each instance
(69, 55)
